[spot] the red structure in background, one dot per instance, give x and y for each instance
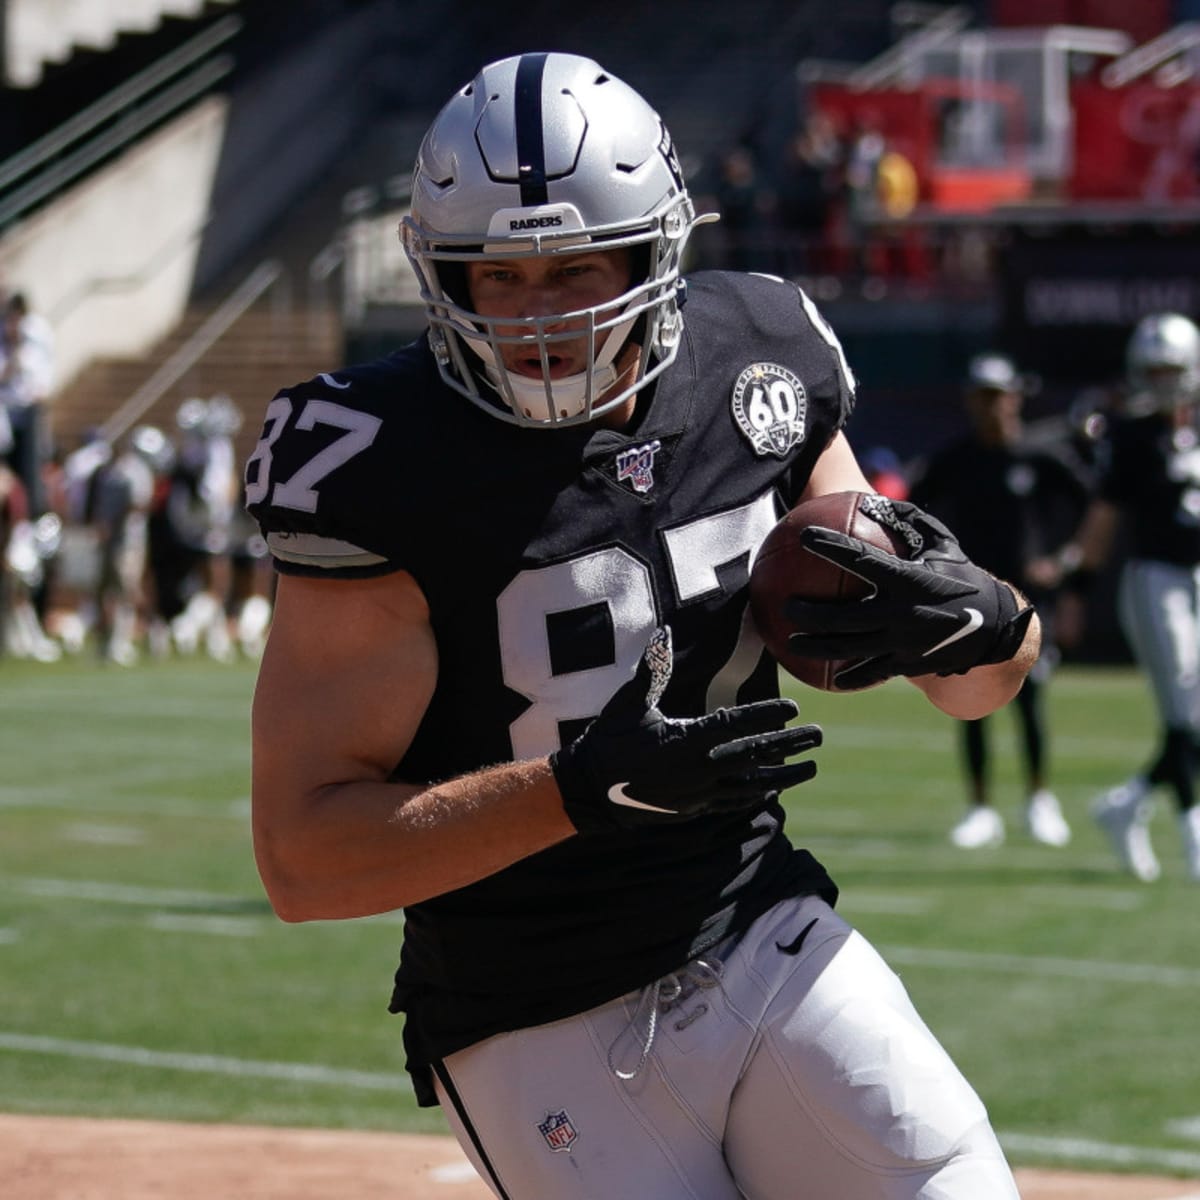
(912, 122)
(1141, 19)
(1138, 142)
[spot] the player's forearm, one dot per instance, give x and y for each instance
(984, 689)
(1089, 550)
(364, 847)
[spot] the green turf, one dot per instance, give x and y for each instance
(143, 974)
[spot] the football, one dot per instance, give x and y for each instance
(783, 567)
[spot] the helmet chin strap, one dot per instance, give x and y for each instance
(528, 397)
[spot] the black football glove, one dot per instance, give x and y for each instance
(633, 767)
(933, 613)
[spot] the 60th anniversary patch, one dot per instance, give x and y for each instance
(770, 406)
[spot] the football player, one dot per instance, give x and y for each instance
(1012, 503)
(511, 686)
(1150, 484)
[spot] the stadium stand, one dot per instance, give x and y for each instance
(165, 165)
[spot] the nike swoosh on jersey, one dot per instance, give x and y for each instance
(618, 795)
(325, 377)
(974, 622)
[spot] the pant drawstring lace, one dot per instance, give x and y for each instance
(656, 1000)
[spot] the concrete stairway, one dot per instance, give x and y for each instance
(258, 355)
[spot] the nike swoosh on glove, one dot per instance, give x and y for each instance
(934, 613)
(633, 767)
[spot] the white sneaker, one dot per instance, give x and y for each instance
(1189, 825)
(1044, 819)
(981, 827)
(1124, 813)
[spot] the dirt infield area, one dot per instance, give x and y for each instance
(62, 1158)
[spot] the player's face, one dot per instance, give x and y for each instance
(1167, 381)
(997, 414)
(541, 287)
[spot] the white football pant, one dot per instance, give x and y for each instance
(785, 1065)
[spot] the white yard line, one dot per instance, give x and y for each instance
(1067, 1148)
(98, 799)
(221, 926)
(1089, 748)
(947, 858)
(900, 904)
(1085, 1150)
(121, 893)
(147, 705)
(1033, 964)
(460, 1172)
(93, 833)
(207, 1064)
(1185, 1127)
(1074, 895)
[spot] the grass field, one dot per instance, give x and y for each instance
(143, 974)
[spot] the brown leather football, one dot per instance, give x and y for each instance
(784, 568)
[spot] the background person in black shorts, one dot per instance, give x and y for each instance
(1012, 502)
(1150, 482)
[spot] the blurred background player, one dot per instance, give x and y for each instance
(191, 530)
(1012, 502)
(123, 497)
(26, 380)
(1149, 483)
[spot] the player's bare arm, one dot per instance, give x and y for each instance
(1076, 565)
(976, 692)
(1090, 548)
(332, 715)
(346, 677)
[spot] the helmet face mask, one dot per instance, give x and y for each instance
(1163, 363)
(544, 155)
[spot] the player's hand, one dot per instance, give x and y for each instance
(633, 767)
(934, 613)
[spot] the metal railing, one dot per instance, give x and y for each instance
(893, 64)
(1179, 43)
(266, 275)
(367, 253)
(143, 101)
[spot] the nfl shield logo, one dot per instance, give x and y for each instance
(558, 1130)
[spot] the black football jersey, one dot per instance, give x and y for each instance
(547, 558)
(1006, 505)
(1152, 473)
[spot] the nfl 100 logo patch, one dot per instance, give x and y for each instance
(558, 1130)
(637, 465)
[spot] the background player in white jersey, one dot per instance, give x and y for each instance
(1150, 483)
(511, 686)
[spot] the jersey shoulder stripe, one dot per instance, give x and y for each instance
(312, 550)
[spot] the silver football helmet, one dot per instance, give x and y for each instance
(151, 444)
(992, 372)
(543, 154)
(1162, 361)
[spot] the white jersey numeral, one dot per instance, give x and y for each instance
(622, 583)
(612, 577)
(300, 491)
